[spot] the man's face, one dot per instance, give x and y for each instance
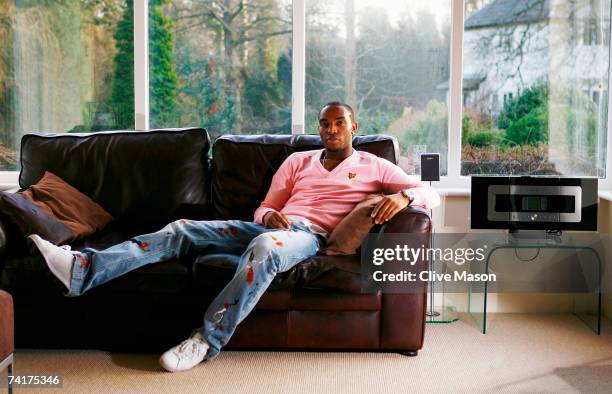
(336, 128)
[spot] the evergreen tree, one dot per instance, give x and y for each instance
(163, 80)
(163, 83)
(122, 96)
(283, 74)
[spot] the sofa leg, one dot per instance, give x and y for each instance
(10, 383)
(409, 353)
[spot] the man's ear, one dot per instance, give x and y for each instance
(355, 127)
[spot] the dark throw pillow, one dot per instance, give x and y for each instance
(349, 233)
(54, 210)
(30, 219)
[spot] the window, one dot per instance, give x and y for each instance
(59, 63)
(390, 62)
(555, 123)
(592, 33)
(535, 74)
(223, 65)
(593, 26)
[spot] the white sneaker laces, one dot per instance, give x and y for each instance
(189, 348)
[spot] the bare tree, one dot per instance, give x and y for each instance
(235, 24)
(350, 60)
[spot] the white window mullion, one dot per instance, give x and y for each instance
(141, 64)
(298, 69)
(606, 183)
(8, 179)
(454, 178)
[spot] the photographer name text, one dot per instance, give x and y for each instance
(432, 276)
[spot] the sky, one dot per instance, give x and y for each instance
(440, 8)
(393, 8)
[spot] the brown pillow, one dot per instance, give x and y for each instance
(348, 234)
(66, 205)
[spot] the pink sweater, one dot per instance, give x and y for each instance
(303, 187)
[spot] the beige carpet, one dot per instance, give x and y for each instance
(520, 353)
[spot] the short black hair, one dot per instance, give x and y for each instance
(338, 104)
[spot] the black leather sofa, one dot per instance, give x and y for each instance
(147, 179)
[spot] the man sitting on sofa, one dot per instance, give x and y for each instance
(310, 193)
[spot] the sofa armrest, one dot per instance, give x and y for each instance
(403, 315)
(414, 220)
(6, 229)
(7, 337)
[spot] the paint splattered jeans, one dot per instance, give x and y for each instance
(268, 252)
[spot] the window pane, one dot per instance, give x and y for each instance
(535, 87)
(58, 62)
(390, 61)
(223, 65)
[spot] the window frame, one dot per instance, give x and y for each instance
(454, 179)
(141, 64)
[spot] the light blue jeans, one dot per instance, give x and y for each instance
(268, 252)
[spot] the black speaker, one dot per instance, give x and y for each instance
(430, 166)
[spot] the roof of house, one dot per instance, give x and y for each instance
(470, 82)
(504, 12)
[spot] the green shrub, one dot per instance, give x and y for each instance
(377, 121)
(484, 138)
(467, 127)
(525, 118)
(531, 129)
(429, 131)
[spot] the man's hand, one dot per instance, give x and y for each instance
(274, 219)
(388, 207)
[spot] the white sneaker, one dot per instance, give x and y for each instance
(58, 259)
(186, 355)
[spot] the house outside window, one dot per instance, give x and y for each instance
(548, 124)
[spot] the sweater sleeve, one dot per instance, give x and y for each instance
(394, 179)
(279, 192)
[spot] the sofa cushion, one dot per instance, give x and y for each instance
(114, 233)
(28, 277)
(167, 277)
(120, 173)
(243, 166)
(213, 271)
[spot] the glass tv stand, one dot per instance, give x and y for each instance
(587, 305)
